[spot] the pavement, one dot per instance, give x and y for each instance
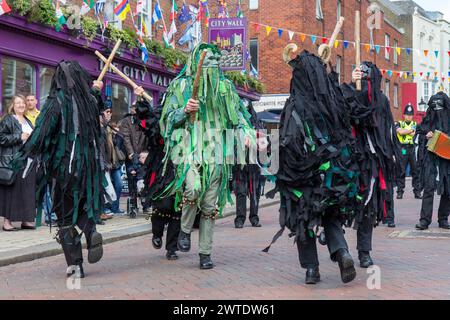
(410, 265)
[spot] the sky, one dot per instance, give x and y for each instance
(436, 5)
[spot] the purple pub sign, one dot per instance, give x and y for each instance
(230, 36)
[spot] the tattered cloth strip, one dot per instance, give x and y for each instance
(318, 171)
(65, 142)
(376, 144)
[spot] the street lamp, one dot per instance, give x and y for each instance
(422, 105)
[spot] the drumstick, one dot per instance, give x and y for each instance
(121, 74)
(358, 46)
(110, 59)
(197, 82)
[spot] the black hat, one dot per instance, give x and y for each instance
(409, 110)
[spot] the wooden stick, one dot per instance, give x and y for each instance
(121, 74)
(325, 49)
(197, 82)
(110, 59)
(358, 45)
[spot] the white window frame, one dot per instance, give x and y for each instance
(396, 95)
(387, 41)
(395, 52)
(319, 12)
(257, 53)
(387, 88)
(253, 4)
(426, 91)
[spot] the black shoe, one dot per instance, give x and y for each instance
(346, 265)
(365, 260)
(171, 255)
(184, 242)
(205, 261)
(421, 226)
(238, 225)
(444, 225)
(100, 222)
(400, 195)
(417, 195)
(95, 250)
(157, 242)
(312, 275)
(391, 225)
(256, 224)
(69, 274)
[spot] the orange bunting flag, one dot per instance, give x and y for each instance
(425, 52)
(367, 46)
(268, 29)
(303, 37)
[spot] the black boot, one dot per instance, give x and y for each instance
(399, 195)
(95, 250)
(184, 242)
(444, 225)
(205, 261)
(421, 226)
(365, 260)
(346, 265)
(312, 275)
(156, 242)
(239, 225)
(171, 255)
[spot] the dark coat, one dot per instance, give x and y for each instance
(10, 139)
(135, 140)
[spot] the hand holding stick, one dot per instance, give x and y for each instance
(196, 83)
(121, 74)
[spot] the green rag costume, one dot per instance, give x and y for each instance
(203, 151)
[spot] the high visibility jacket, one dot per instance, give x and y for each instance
(406, 139)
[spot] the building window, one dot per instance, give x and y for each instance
(319, 13)
(433, 88)
(145, 16)
(121, 101)
(395, 52)
(45, 80)
(387, 89)
(253, 5)
(338, 67)
(17, 78)
(339, 9)
(395, 95)
(449, 56)
(109, 12)
(387, 41)
(426, 91)
(254, 53)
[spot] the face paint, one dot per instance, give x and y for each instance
(366, 72)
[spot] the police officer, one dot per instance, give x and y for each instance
(405, 132)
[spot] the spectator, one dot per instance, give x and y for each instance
(107, 153)
(32, 112)
(135, 143)
(17, 201)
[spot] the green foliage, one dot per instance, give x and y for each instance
(89, 27)
(173, 57)
(241, 80)
(22, 7)
(127, 36)
(42, 11)
(154, 47)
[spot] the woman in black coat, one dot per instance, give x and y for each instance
(17, 201)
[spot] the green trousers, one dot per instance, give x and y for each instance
(207, 206)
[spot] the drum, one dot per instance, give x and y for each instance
(440, 144)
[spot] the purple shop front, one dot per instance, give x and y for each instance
(29, 53)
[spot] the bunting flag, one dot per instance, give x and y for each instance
(86, 6)
(425, 52)
(4, 8)
(324, 40)
(377, 49)
(313, 39)
(280, 33)
(336, 44)
(291, 35)
(303, 37)
(122, 9)
(408, 51)
(436, 54)
(399, 50)
(268, 29)
(367, 47)
(388, 49)
(157, 15)
(346, 44)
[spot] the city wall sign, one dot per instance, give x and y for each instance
(139, 74)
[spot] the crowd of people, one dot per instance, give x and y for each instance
(341, 157)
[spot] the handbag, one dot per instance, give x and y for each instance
(7, 176)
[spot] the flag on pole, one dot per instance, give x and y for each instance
(99, 7)
(184, 14)
(139, 7)
(173, 26)
(86, 6)
(157, 15)
(144, 51)
(4, 8)
(122, 9)
(60, 16)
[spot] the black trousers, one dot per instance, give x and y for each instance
(173, 229)
(241, 207)
(408, 156)
(426, 213)
(364, 234)
(334, 235)
(69, 237)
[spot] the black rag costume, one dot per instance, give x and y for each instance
(377, 144)
(164, 211)
(317, 175)
(248, 182)
(66, 143)
(435, 171)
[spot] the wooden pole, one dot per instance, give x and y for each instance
(121, 74)
(197, 82)
(358, 45)
(325, 49)
(110, 59)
